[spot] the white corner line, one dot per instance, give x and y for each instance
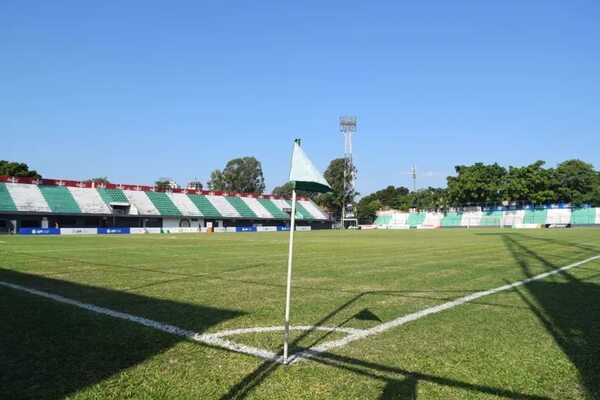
(190, 335)
(307, 354)
(217, 339)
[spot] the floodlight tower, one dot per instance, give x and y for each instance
(348, 127)
(414, 176)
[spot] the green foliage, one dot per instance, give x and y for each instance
(334, 174)
(478, 183)
(429, 199)
(529, 184)
(243, 175)
(17, 169)
(162, 184)
(285, 190)
(574, 182)
(100, 179)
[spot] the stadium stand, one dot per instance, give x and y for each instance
(301, 212)
(89, 201)
(433, 219)
(313, 209)
(28, 197)
(141, 202)
(163, 204)
(223, 206)
(583, 216)
(535, 216)
(204, 206)
(452, 219)
(112, 196)
(416, 219)
(6, 201)
(513, 217)
(184, 204)
(398, 219)
(558, 216)
(257, 207)
(492, 218)
(471, 218)
(382, 220)
(59, 199)
(270, 205)
(241, 207)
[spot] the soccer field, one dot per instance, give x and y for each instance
(178, 316)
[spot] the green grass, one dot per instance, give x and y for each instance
(541, 340)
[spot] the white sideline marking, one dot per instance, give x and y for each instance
(216, 339)
(428, 311)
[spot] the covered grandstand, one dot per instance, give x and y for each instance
(527, 216)
(49, 203)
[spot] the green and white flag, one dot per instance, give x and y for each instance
(303, 173)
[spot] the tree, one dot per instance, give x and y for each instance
(334, 174)
(243, 175)
(478, 183)
(531, 183)
(195, 185)
(162, 184)
(285, 190)
(574, 182)
(100, 179)
(367, 210)
(17, 169)
(429, 199)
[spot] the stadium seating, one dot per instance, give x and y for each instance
(313, 209)
(257, 207)
(6, 201)
(112, 196)
(416, 219)
(513, 217)
(273, 209)
(59, 199)
(535, 216)
(205, 207)
(89, 201)
(163, 204)
(301, 212)
(141, 202)
(433, 219)
(558, 216)
(28, 197)
(399, 219)
(452, 219)
(282, 204)
(184, 204)
(491, 218)
(382, 220)
(240, 206)
(583, 216)
(223, 206)
(471, 218)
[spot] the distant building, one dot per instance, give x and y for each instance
(194, 185)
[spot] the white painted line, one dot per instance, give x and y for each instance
(216, 339)
(428, 311)
(190, 335)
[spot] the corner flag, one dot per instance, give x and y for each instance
(303, 173)
(304, 176)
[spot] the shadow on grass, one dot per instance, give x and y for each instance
(49, 350)
(398, 383)
(569, 309)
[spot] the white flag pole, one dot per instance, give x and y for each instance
(288, 295)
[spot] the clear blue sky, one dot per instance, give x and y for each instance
(135, 90)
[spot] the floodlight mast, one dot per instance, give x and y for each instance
(348, 127)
